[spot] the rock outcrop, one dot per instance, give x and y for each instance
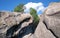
(52, 18)
(21, 25)
(12, 23)
(42, 31)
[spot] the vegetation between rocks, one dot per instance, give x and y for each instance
(33, 12)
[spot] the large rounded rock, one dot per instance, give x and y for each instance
(42, 31)
(12, 24)
(52, 18)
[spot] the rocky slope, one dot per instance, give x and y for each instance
(17, 25)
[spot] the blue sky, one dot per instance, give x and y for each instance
(9, 5)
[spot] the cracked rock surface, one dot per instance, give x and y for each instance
(17, 25)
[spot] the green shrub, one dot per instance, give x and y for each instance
(33, 12)
(19, 8)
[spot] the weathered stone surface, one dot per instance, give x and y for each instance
(53, 9)
(17, 25)
(42, 31)
(52, 18)
(12, 23)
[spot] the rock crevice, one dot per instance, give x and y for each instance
(17, 25)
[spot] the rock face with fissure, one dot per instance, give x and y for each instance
(12, 23)
(52, 18)
(21, 25)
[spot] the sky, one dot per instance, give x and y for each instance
(39, 5)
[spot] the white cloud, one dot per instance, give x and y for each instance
(38, 6)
